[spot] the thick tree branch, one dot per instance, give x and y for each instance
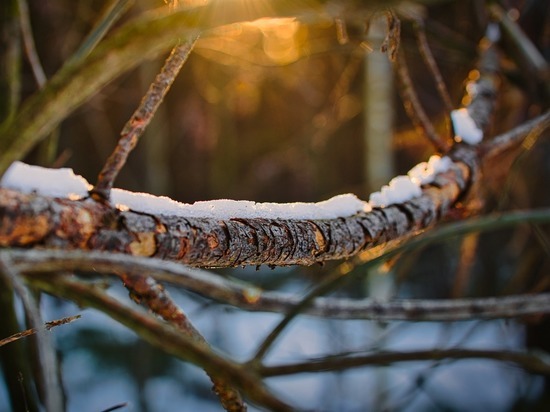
(31, 220)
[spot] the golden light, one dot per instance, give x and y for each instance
(264, 41)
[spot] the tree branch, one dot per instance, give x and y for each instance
(530, 362)
(89, 225)
(249, 297)
(162, 335)
(141, 118)
(46, 355)
(148, 291)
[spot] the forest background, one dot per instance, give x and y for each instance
(301, 110)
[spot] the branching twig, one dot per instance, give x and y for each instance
(32, 331)
(46, 354)
(250, 297)
(162, 335)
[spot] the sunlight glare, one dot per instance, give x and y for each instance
(264, 41)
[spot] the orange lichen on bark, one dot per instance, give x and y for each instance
(23, 230)
(144, 245)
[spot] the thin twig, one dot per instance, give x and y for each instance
(46, 354)
(32, 331)
(47, 148)
(429, 60)
(28, 41)
(369, 259)
(530, 362)
(516, 136)
(141, 119)
(428, 57)
(531, 57)
(413, 107)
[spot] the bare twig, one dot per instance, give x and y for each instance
(151, 293)
(48, 147)
(530, 362)
(530, 55)
(28, 41)
(115, 407)
(369, 258)
(515, 137)
(413, 107)
(46, 353)
(140, 119)
(32, 331)
(427, 56)
(252, 298)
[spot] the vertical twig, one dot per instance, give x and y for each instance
(10, 60)
(412, 105)
(48, 147)
(140, 119)
(427, 56)
(28, 42)
(152, 294)
(46, 354)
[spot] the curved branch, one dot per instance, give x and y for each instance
(33, 220)
(251, 298)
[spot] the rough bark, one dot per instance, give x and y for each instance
(30, 220)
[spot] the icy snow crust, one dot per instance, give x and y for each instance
(65, 184)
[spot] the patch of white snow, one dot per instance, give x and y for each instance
(64, 183)
(465, 128)
(404, 188)
(338, 206)
(48, 182)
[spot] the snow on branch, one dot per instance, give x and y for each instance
(224, 233)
